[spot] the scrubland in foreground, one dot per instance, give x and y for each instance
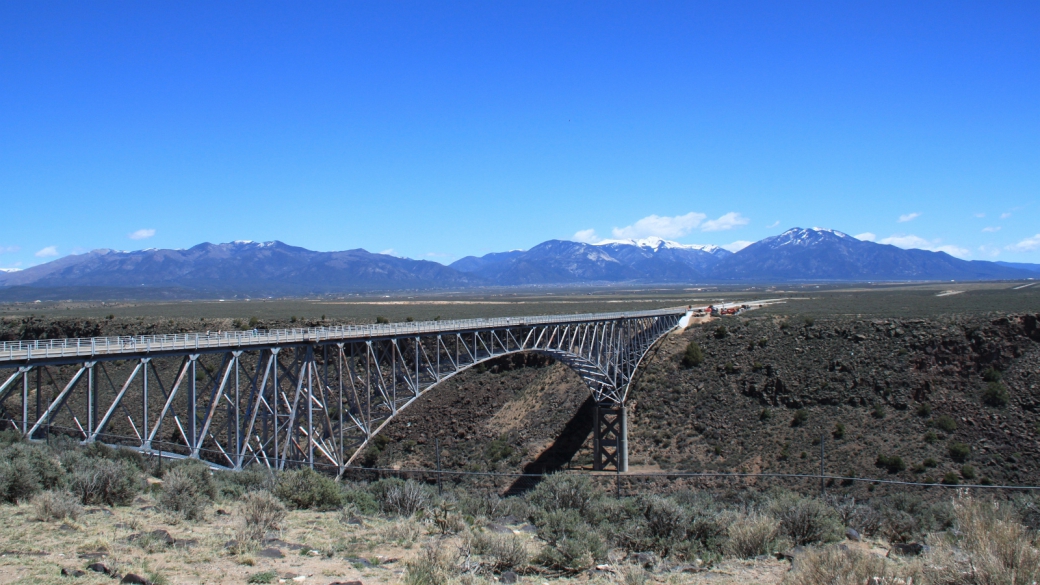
(71, 508)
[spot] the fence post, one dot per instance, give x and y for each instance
(437, 447)
(823, 439)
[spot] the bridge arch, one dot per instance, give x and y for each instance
(303, 397)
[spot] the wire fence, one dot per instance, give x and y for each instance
(627, 483)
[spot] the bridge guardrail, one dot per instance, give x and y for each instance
(19, 351)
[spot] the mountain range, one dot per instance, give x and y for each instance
(245, 268)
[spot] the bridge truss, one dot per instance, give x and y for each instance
(312, 397)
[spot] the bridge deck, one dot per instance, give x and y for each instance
(13, 353)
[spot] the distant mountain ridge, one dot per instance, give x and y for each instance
(245, 268)
(566, 262)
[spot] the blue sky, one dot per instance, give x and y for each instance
(439, 130)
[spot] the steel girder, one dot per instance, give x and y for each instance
(315, 402)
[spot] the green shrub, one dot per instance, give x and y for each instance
(407, 498)
(572, 544)
(924, 410)
(9, 437)
(501, 552)
(945, 423)
(721, 332)
(430, 567)
(232, 485)
(995, 394)
(380, 319)
(263, 577)
(666, 522)
(930, 437)
(27, 468)
(184, 491)
(306, 489)
(959, 452)
(261, 512)
(809, 321)
(893, 463)
(992, 375)
(808, 521)
(105, 481)
(878, 411)
(968, 472)
(751, 535)
(766, 414)
(801, 416)
(361, 499)
(693, 356)
(839, 431)
(562, 491)
(950, 478)
(929, 462)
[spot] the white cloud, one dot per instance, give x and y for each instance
(47, 252)
(1026, 245)
(725, 222)
(988, 250)
(9, 249)
(980, 215)
(774, 224)
(389, 252)
(991, 229)
(1005, 215)
(141, 234)
(912, 241)
(956, 251)
(662, 227)
(866, 237)
(737, 246)
(586, 236)
(909, 217)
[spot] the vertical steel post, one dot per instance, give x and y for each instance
(144, 401)
(597, 448)
(39, 398)
(192, 415)
(25, 402)
(91, 400)
(339, 404)
(622, 448)
(310, 408)
(238, 415)
(274, 403)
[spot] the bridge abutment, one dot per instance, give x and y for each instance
(610, 438)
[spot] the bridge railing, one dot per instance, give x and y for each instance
(16, 351)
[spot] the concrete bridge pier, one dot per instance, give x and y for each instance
(610, 438)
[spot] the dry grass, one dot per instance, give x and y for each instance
(993, 548)
(834, 565)
(49, 506)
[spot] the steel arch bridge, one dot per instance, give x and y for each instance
(312, 397)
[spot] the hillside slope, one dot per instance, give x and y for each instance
(895, 386)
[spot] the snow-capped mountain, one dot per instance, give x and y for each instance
(654, 243)
(561, 261)
(825, 254)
